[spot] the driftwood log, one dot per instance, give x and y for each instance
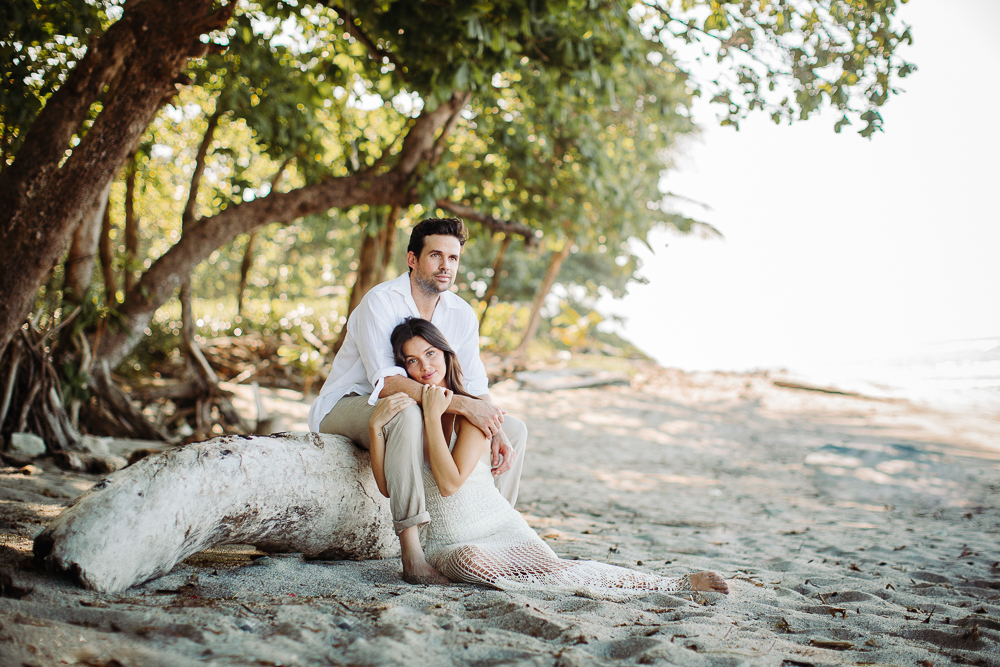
(304, 492)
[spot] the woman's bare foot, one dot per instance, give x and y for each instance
(423, 574)
(708, 581)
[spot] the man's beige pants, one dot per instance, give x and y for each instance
(404, 455)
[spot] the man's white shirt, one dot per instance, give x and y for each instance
(365, 360)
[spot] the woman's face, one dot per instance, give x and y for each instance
(423, 362)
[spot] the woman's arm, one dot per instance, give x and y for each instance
(385, 409)
(450, 468)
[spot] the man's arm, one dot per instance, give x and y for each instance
(501, 452)
(482, 414)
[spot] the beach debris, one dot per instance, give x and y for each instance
(823, 390)
(25, 444)
(835, 644)
(569, 378)
(69, 461)
(106, 464)
(31, 470)
(301, 493)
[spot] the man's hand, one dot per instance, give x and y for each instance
(484, 415)
(501, 454)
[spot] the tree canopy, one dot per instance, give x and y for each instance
(158, 143)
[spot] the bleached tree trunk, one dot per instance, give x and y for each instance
(306, 492)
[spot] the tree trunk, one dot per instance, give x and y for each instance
(364, 276)
(79, 264)
(551, 273)
(307, 493)
(370, 265)
(245, 267)
(389, 235)
(491, 291)
(41, 200)
(187, 220)
(391, 187)
(248, 251)
(131, 229)
(107, 256)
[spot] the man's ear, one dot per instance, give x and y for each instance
(411, 259)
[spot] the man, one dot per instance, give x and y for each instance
(364, 371)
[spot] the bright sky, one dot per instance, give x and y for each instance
(837, 247)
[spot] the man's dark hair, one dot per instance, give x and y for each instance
(436, 227)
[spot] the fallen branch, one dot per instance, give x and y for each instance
(307, 493)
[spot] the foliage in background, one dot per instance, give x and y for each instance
(571, 111)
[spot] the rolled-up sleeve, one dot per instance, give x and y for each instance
(372, 324)
(473, 369)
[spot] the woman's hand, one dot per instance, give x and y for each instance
(387, 408)
(435, 400)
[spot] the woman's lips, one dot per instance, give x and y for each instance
(428, 376)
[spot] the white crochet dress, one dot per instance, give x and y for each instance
(475, 536)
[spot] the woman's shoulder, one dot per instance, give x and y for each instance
(462, 423)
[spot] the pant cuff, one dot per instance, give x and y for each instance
(417, 520)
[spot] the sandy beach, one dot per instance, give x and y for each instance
(851, 530)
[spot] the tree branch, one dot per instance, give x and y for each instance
(392, 187)
(492, 222)
(355, 31)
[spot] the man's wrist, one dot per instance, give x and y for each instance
(459, 405)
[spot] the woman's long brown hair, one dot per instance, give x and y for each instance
(413, 327)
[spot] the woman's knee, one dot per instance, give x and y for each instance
(408, 424)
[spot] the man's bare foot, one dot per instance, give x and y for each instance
(708, 581)
(424, 575)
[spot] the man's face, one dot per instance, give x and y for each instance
(434, 271)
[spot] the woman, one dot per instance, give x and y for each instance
(475, 535)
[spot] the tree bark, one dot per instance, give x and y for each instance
(41, 202)
(187, 220)
(307, 493)
(160, 281)
(491, 291)
(389, 235)
(131, 228)
(79, 264)
(364, 276)
(107, 256)
(551, 273)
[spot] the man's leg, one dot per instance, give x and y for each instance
(508, 483)
(404, 460)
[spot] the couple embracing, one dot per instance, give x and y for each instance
(409, 386)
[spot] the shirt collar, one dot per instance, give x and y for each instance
(402, 285)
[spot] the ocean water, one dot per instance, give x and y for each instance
(957, 374)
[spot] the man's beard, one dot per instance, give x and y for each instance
(431, 285)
